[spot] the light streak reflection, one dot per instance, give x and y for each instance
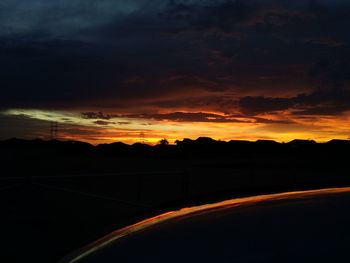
(193, 211)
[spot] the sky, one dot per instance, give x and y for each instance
(133, 70)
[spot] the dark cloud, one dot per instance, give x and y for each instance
(188, 117)
(332, 72)
(324, 102)
(208, 117)
(61, 18)
(219, 16)
(103, 123)
(123, 122)
(270, 121)
(320, 102)
(257, 105)
(185, 117)
(217, 102)
(284, 17)
(96, 115)
(256, 56)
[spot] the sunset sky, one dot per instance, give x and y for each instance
(110, 70)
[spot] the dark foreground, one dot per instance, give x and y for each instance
(311, 226)
(56, 197)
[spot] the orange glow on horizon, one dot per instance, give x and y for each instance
(282, 127)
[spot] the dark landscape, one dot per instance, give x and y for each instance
(59, 196)
(116, 112)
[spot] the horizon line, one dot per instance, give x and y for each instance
(175, 141)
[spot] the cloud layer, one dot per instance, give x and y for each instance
(222, 61)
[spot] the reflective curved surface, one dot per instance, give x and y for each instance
(305, 226)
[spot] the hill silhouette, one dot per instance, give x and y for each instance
(211, 146)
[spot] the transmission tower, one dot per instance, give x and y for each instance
(142, 137)
(53, 130)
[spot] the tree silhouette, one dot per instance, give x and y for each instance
(163, 142)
